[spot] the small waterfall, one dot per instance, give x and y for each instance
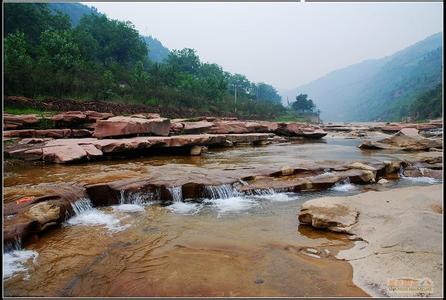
(81, 205)
(223, 191)
(13, 245)
(344, 186)
(261, 192)
(176, 192)
(401, 172)
(139, 198)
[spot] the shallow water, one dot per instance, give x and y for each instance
(231, 245)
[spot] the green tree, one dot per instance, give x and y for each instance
(18, 65)
(32, 19)
(59, 61)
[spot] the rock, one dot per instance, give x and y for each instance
(287, 171)
(19, 121)
(176, 127)
(398, 230)
(44, 213)
(93, 116)
(299, 130)
(325, 214)
(69, 118)
(125, 126)
(361, 166)
(64, 154)
(196, 127)
(49, 133)
(237, 127)
(383, 181)
(406, 139)
(146, 116)
(195, 150)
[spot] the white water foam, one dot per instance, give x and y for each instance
(422, 179)
(17, 261)
(185, 208)
(176, 192)
(280, 197)
(139, 198)
(129, 208)
(232, 204)
(344, 186)
(223, 191)
(87, 215)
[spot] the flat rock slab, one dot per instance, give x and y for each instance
(126, 126)
(74, 150)
(401, 232)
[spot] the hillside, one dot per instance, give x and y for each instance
(381, 89)
(157, 52)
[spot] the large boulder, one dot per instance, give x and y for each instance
(127, 126)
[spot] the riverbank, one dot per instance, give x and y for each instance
(399, 249)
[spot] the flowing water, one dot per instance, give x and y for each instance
(227, 244)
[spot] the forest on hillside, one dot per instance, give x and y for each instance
(46, 54)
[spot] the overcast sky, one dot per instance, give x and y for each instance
(284, 44)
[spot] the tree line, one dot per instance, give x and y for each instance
(105, 59)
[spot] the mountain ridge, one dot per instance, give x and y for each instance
(377, 89)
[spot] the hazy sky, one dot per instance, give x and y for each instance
(284, 44)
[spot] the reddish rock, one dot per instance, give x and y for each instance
(146, 116)
(196, 127)
(237, 127)
(19, 121)
(50, 133)
(300, 130)
(64, 154)
(125, 126)
(93, 116)
(69, 118)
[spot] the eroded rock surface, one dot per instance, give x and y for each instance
(126, 126)
(400, 232)
(406, 139)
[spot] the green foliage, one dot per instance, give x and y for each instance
(304, 105)
(18, 64)
(428, 105)
(106, 59)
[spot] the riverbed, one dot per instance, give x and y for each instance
(227, 245)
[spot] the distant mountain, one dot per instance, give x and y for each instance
(74, 10)
(157, 52)
(380, 89)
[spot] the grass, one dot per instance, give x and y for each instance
(27, 111)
